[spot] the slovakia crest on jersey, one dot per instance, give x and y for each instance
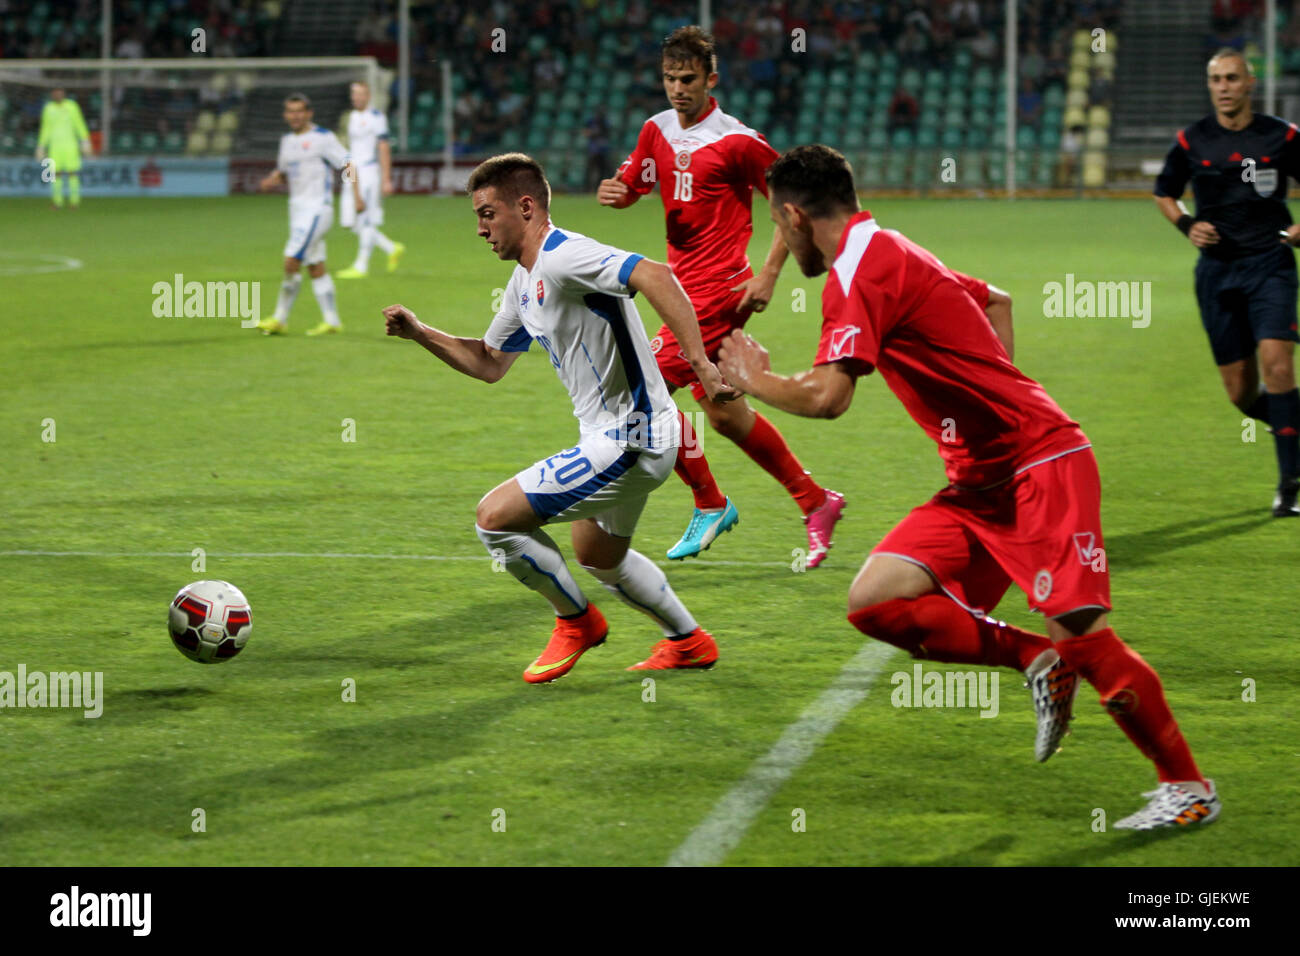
(842, 340)
(541, 293)
(1265, 181)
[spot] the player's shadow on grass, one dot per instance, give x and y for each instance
(1138, 548)
(1108, 845)
(985, 854)
(144, 704)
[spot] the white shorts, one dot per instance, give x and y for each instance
(368, 182)
(307, 235)
(598, 479)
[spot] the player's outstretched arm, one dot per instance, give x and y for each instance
(999, 312)
(759, 288)
(824, 391)
(473, 357)
(666, 296)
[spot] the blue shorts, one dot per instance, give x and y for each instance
(1247, 300)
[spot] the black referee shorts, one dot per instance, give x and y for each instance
(1246, 300)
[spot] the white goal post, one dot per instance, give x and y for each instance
(193, 105)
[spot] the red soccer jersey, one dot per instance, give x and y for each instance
(978, 288)
(707, 175)
(891, 305)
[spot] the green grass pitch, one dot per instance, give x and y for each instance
(179, 433)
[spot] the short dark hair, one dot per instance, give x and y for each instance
(816, 178)
(512, 175)
(1224, 51)
(687, 44)
(299, 98)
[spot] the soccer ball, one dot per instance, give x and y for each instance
(210, 621)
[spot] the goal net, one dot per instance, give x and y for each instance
(180, 107)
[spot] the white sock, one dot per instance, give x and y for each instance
(536, 561)
(383, 242)
(639, 583)
(288, 292)
(366, 240)
(324, 289)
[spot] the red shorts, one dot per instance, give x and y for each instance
(1040, 529)
(715, 326)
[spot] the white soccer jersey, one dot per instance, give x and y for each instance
(365, 129)
(575, 303)
(308, 160)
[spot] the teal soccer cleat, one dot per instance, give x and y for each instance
(704, 528)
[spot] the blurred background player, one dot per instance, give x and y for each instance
(573, 296)
(1024, 497)
(707, 165)
(1237, 162)
(308, 156)
(63, 138)
(372, 155)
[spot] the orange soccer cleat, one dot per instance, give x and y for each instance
(699, 650)
(571, 638)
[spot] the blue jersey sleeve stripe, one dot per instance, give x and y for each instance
(519, 341)
(553, 240)
(625, 271)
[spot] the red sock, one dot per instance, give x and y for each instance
(937, 628)
(765, 445)
(693, 468)
(1130, 689)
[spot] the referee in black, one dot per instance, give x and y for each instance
(1238, 162)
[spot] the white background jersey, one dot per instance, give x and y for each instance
(576, 305)
(365, 129)
(308, 160)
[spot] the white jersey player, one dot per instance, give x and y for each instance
(308, 156)
(572, 295)
(368, 139)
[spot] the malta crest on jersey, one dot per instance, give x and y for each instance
(1265, 181)
(683, 159)
(541, 293)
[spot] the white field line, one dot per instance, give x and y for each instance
(723, 829)
(334, 555)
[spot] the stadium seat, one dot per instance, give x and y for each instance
(953, 138)
(220, 143)
(1098, 117)
(1050, 137)
(927, 137)
(1082, 40)
(897, 168)
(901, 139)
(206, 121)
(836, 101)
(1026, 137)
(1080, 60)
(1097, 138)
(1094, 169)
(198, 143)
(1074, 116)
(867, 63)
(228, 122)
(173, 142)
(911, 80)
(1054, 97)
(148, 143)
(1076, 99)
(124, 142)
(878, 138)
(889, 62)
(932, 100)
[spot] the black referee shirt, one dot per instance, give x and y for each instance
(1245, 202)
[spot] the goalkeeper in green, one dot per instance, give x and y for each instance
(63, 139)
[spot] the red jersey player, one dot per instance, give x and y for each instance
(1024, 498)
(707, 165)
